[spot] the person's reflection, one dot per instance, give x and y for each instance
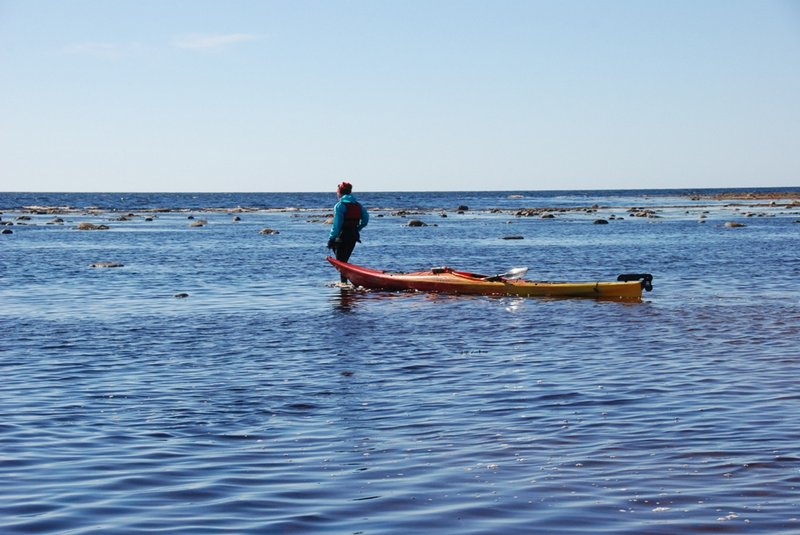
(346, 300)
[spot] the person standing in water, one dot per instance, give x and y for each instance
(349, 217)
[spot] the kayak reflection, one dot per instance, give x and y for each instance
(350, 297)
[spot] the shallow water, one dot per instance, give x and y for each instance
(272, 401)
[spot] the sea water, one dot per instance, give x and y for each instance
(219, 380)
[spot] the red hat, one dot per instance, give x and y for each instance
(344, 188)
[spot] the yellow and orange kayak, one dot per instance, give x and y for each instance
(447, 280)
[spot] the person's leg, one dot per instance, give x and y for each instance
(343, 251)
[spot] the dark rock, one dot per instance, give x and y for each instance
(91, 226)
(513, 237)
(600, 222)
(182, 295)
(529, 212)
(548, 216)
(417, 223)
(237, 218)
(6, 231)
(462, 208)
(637, 212)
(107, 265)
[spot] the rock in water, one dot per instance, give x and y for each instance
(91, 226)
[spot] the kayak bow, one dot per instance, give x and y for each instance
(447, 280)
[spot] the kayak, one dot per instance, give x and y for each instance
(447, 280)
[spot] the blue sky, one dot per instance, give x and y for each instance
(398, 95)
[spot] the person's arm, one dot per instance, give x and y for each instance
(364, 218)
(338, 218)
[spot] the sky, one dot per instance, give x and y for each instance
(401, 95)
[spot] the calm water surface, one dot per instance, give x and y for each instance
(272, 401)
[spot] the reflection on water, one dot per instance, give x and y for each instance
(345, 299)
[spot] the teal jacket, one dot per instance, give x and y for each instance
(338, 216)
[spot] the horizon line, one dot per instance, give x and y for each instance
(725, 188)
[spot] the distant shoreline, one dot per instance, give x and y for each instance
(748, 195)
